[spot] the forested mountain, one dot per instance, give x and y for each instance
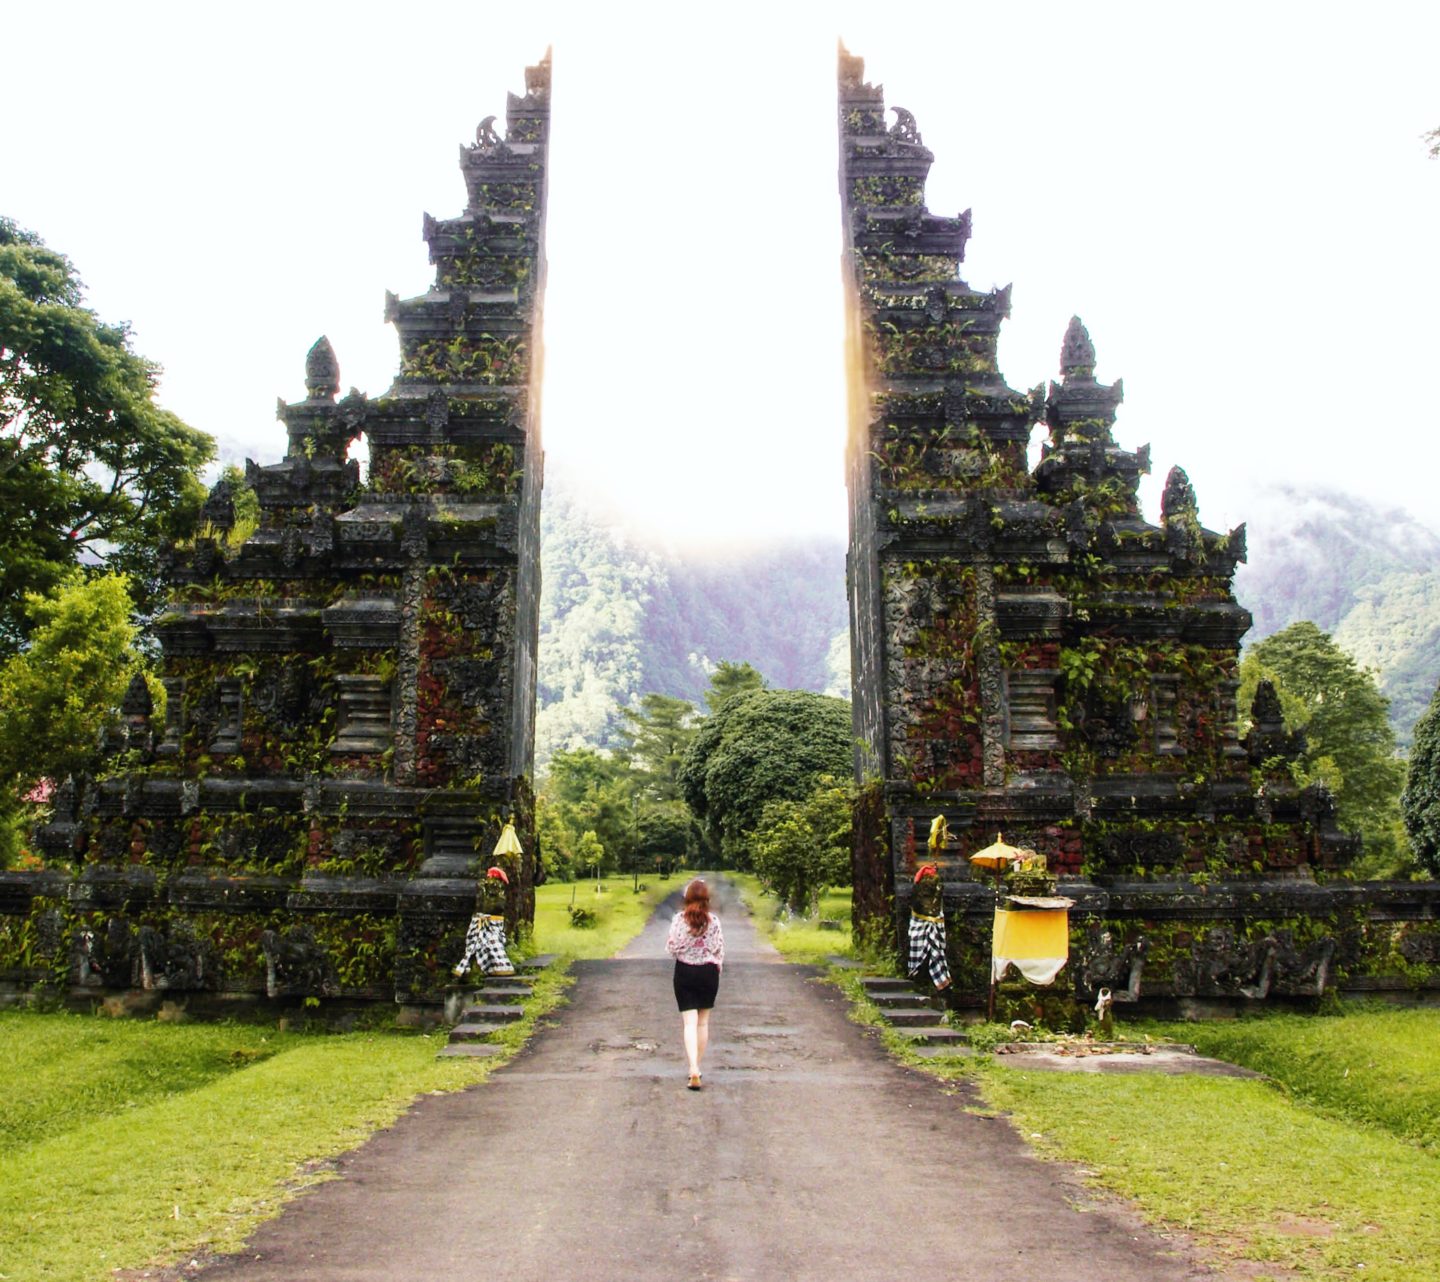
(1368, 576)
(619, 619)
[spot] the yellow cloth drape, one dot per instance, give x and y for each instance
(1035, 942)
(509, 843)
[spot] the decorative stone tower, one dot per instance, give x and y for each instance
(351, 684)
(1030, 656)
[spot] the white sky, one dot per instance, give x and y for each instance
(1235, 198)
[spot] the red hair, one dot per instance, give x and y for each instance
(697, 906)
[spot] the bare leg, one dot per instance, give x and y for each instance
(693, 1045)
(702, 1036)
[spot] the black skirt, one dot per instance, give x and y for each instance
(696, 986)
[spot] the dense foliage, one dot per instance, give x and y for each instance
(58, 693)
(768, 745)
(1420, 802)
(91, 469)
(605, 811)
(1366, 575)
(1350, 746)
(802, 847)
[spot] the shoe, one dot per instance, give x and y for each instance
(694, 1083)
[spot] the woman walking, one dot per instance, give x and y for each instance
(698, 947)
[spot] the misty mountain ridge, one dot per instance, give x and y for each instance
(623, 614)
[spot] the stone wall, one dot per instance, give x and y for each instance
(1032, 658)
(351, 686)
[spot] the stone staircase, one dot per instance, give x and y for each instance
(479, 1013)
(914, 1014)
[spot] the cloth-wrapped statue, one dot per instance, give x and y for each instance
(485, 940)
(927, 928)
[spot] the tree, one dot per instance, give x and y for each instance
(767, 745)
(665, 835)
(657, 735)
(57, 695)
(1350, 745)
(587, 791)
(91, 469)
(801, 847)
(730, 680)
(1420, 802)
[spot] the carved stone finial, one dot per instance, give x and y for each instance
(219, 508)
(137, 703)
(905, 128)
(1178, 499)
(486, 139)
(1265, 714)
(1077, 352)
(322, 371)
(1268, 737)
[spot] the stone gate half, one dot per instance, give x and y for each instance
(351, 686)
(1034, 659)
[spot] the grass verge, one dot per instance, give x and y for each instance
(798, 939)
(1252, 1174)
(177, 1139)
(1371, 1063)
(619, 914)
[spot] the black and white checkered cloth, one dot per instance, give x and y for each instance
(485, 947)
(927, 949)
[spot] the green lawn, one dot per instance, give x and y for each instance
(1251, 1172)
(620, 914)
(799, 940)
(1372, 1063)
(127, 1142)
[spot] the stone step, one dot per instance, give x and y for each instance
(912, 1018)
(888, 1001)
(937, 1035)
(538, 962)
(469, 1050)
(491, 1014)
(505, 992)
(886, 984)
(468, 1032)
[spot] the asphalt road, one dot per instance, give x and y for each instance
(809, 1155)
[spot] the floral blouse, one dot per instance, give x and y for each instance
(706, 948)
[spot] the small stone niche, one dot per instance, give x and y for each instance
(1030, 723)
(365, 719)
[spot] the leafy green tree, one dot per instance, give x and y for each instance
(1420, 802)
(590, 853)
(801, 847)
(767, 745)
(57, 695)
(730, 680)
(587, 791)
(657, 735)
(1350, 745)
(91, 469)
(665, 836)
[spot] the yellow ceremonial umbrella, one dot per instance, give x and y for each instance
(509, 843)
(999, 856)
